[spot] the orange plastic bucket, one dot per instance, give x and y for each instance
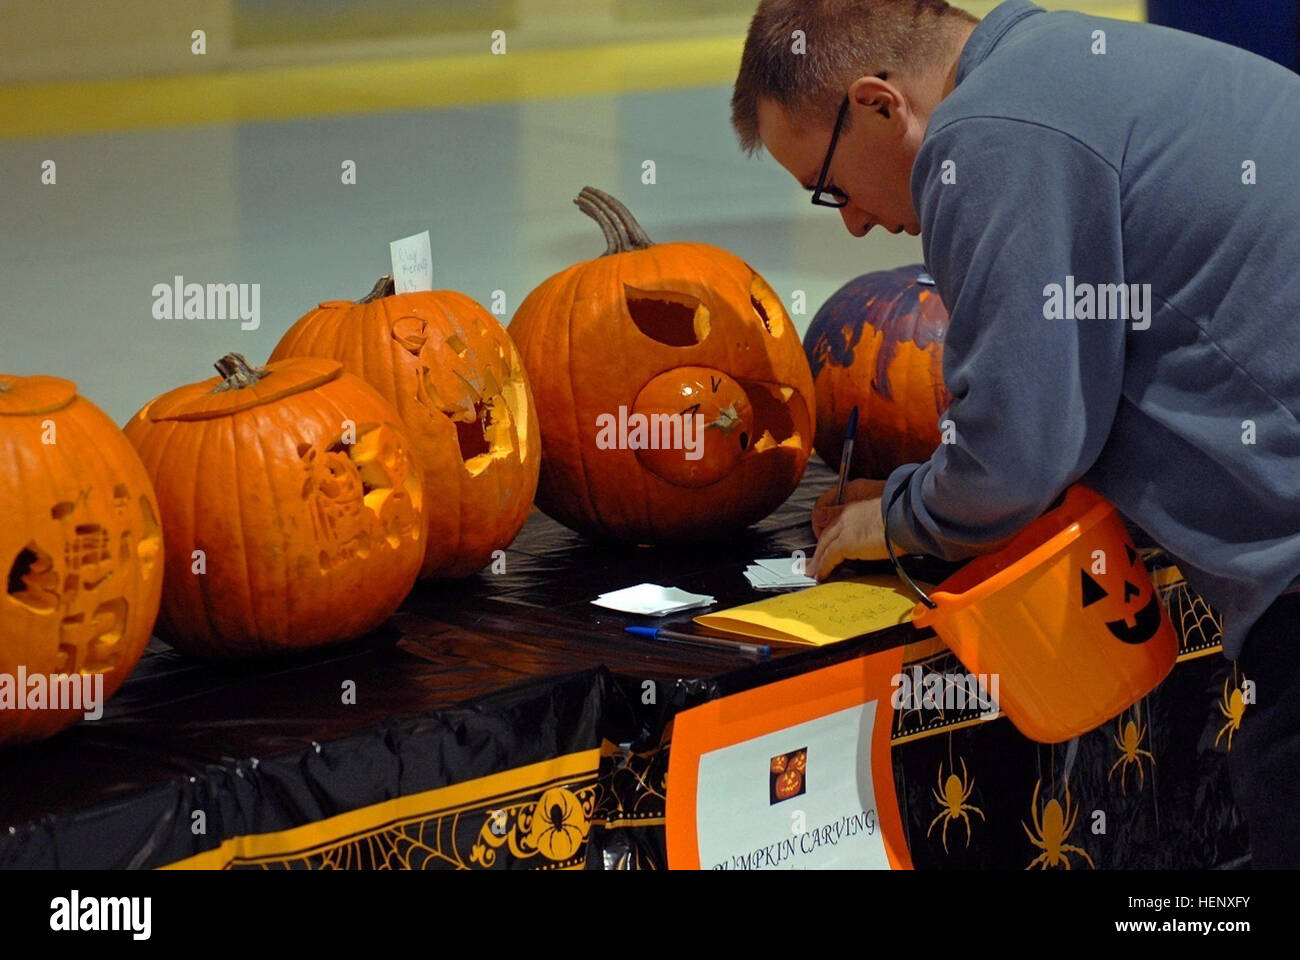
(1066, 616)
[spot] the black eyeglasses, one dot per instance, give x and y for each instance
(823, 195)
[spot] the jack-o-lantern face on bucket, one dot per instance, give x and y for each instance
(1129, 606)
(673, 395)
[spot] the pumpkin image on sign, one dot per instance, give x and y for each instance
(290, 504)
(877, 344)
(80, 550)
(672, 391)
(788, 784)
(458, 384)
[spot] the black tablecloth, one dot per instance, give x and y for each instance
(466, 680)
(485, 709)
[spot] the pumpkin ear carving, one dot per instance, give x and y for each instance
(767, 305)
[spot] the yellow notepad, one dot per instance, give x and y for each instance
(823, 614)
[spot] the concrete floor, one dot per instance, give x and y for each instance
(263, 203)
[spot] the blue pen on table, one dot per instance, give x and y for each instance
(846, 454)
(665, 635)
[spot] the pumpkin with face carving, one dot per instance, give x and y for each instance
(80, 549)
(789, 783)
(456, 380)
(291, 505)
(673, 394)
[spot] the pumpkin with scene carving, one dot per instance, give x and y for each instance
(458, 384)
(81, 551)
(291, 507)
(673, 394)
(877, 343)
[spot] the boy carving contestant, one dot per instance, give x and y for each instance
(1111, 213)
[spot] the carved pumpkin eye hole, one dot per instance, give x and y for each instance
(671, 318)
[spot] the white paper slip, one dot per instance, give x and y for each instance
(785, 567)
(412, 263)
(652, 600)
(777, 574)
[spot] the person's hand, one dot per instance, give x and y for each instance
(826, 509)
(856, 533)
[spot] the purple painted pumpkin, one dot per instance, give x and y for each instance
(878, 343)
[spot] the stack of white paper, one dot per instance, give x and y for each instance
(652, 600)
(781, 573)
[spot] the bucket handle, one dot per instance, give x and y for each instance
(898, 566)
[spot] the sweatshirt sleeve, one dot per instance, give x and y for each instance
(1033, 394)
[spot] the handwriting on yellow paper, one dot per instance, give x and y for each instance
(822, 614)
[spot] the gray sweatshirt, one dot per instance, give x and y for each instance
(1077, 154)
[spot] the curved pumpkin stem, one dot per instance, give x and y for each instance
(383, 288)
(622, 232)
(237, 373)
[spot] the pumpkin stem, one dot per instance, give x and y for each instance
(622, 232)
(383, 288)
(237, 373)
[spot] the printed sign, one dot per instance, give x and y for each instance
(792, 775)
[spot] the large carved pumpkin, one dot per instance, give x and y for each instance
(670, 337)
(80, 548)
(290, 504)
(456, 380)
(877, 343)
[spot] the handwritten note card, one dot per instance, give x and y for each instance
(412, 263)
(821, 614)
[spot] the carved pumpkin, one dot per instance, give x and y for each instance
(799, 761)
(877, 343)
(80, 548)
(664, 337)
(290, 504)
(778, 763)
(456, 380)
(788, 784)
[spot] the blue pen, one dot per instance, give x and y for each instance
(846, 454)
(707, 643)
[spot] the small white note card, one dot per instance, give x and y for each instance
(412, 263)
(652, 600)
